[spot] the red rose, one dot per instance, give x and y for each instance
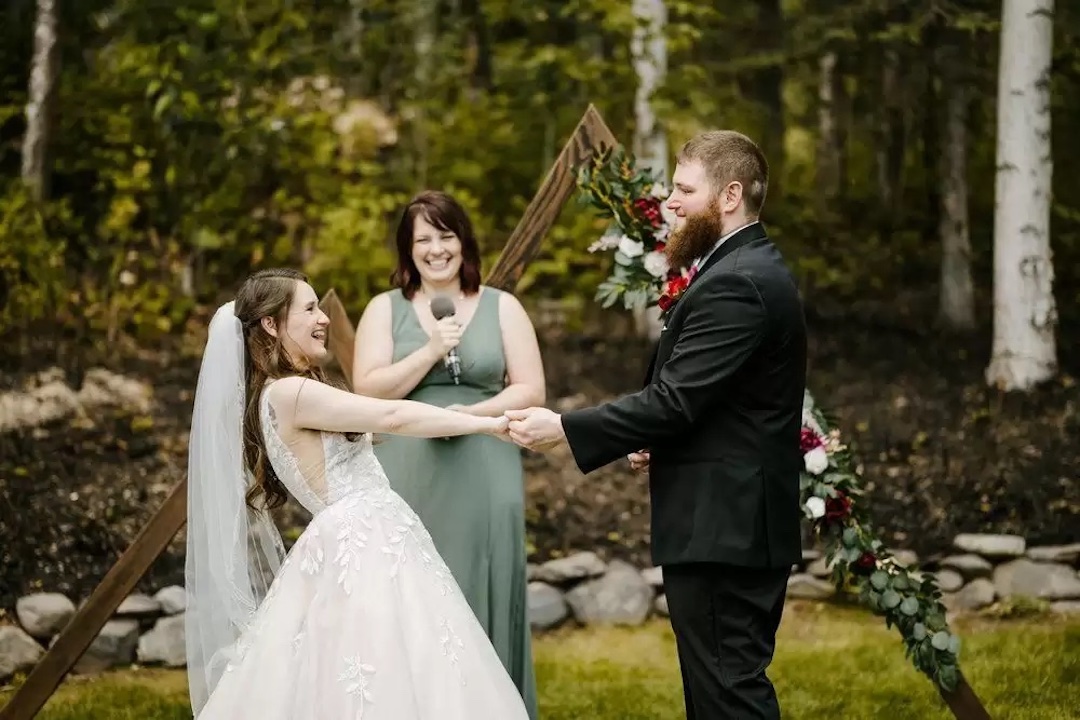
(659, 247)
(865, 565)
(809, 439)
(649, 208)
(837, 508)
(665, 302)
(676, 285)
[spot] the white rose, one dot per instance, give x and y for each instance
(658, 191)
(655, 264)
(815, 506)
(817, 461)
(630, 248)
(667, 215)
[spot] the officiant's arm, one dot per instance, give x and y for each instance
(525, 386)
(722, 329)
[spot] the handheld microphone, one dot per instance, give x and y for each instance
(442, 306)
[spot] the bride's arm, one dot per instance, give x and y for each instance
(313, 405)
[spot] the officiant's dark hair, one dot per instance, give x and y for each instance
(267, 293)
(444, 212)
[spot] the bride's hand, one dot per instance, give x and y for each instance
(497, 426)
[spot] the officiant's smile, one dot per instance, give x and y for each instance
(436, 252)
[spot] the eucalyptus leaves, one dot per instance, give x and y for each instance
(910, 602)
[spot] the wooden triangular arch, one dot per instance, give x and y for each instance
(590, 135)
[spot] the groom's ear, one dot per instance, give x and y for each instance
(269, 326)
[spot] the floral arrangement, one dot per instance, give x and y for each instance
(633, 200)
(829, 490)
(829, 485)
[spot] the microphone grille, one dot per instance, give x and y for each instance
(442, 306)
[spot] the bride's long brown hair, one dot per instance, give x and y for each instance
(267, 293)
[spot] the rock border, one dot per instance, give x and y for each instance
(578, 590)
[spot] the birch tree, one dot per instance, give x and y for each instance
(649, 51)
(44, 70)
(956, 305)
(1024, 351)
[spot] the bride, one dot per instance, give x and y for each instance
(361, 619)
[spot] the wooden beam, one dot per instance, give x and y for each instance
(590, 135)
(964, 703)
(342, 336)
(102, 603)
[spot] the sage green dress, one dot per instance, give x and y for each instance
(469, 491)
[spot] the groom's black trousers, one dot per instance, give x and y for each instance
(725, 619)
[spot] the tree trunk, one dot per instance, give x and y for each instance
(931, 126)
(766, 86)
(649, 50)
(423, 41)
(957, 292)
(1024, 351)
(891, 135)
(830, 161)
(482, 76)
(44, 70)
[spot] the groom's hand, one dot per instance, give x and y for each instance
(639, 460)
(535, 428)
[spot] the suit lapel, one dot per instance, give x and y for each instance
(747, 235)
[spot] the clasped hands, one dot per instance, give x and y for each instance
(540, 430)
(534, 428)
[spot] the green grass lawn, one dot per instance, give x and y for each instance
(832, 662)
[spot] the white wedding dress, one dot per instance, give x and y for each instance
(363, 621)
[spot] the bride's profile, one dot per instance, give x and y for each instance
(361, 618)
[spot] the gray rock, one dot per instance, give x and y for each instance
(949, 580)
(661, 606)
(172, 599)
(578, 566)
(1069, 554)
(990, 545)
(164, 644)
(18, 651)
(619, 597)
(906, 558)
(977, 594)
(547, 608)
(1066, 607)
(807, 587)
(44, 615)
(654, 576)
(114, 646)
(138, 606)
(969, 566)
(819, 568)
(1046, 581)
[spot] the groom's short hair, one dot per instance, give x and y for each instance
(728, 156)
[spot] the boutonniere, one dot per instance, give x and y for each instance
(673, 290)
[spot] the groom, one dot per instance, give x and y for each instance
(717, 424)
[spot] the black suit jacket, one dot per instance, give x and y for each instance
(720, 414)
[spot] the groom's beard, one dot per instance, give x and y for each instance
(695, 238)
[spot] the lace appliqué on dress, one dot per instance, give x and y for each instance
(357, 674)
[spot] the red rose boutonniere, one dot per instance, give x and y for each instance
(674, 289)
